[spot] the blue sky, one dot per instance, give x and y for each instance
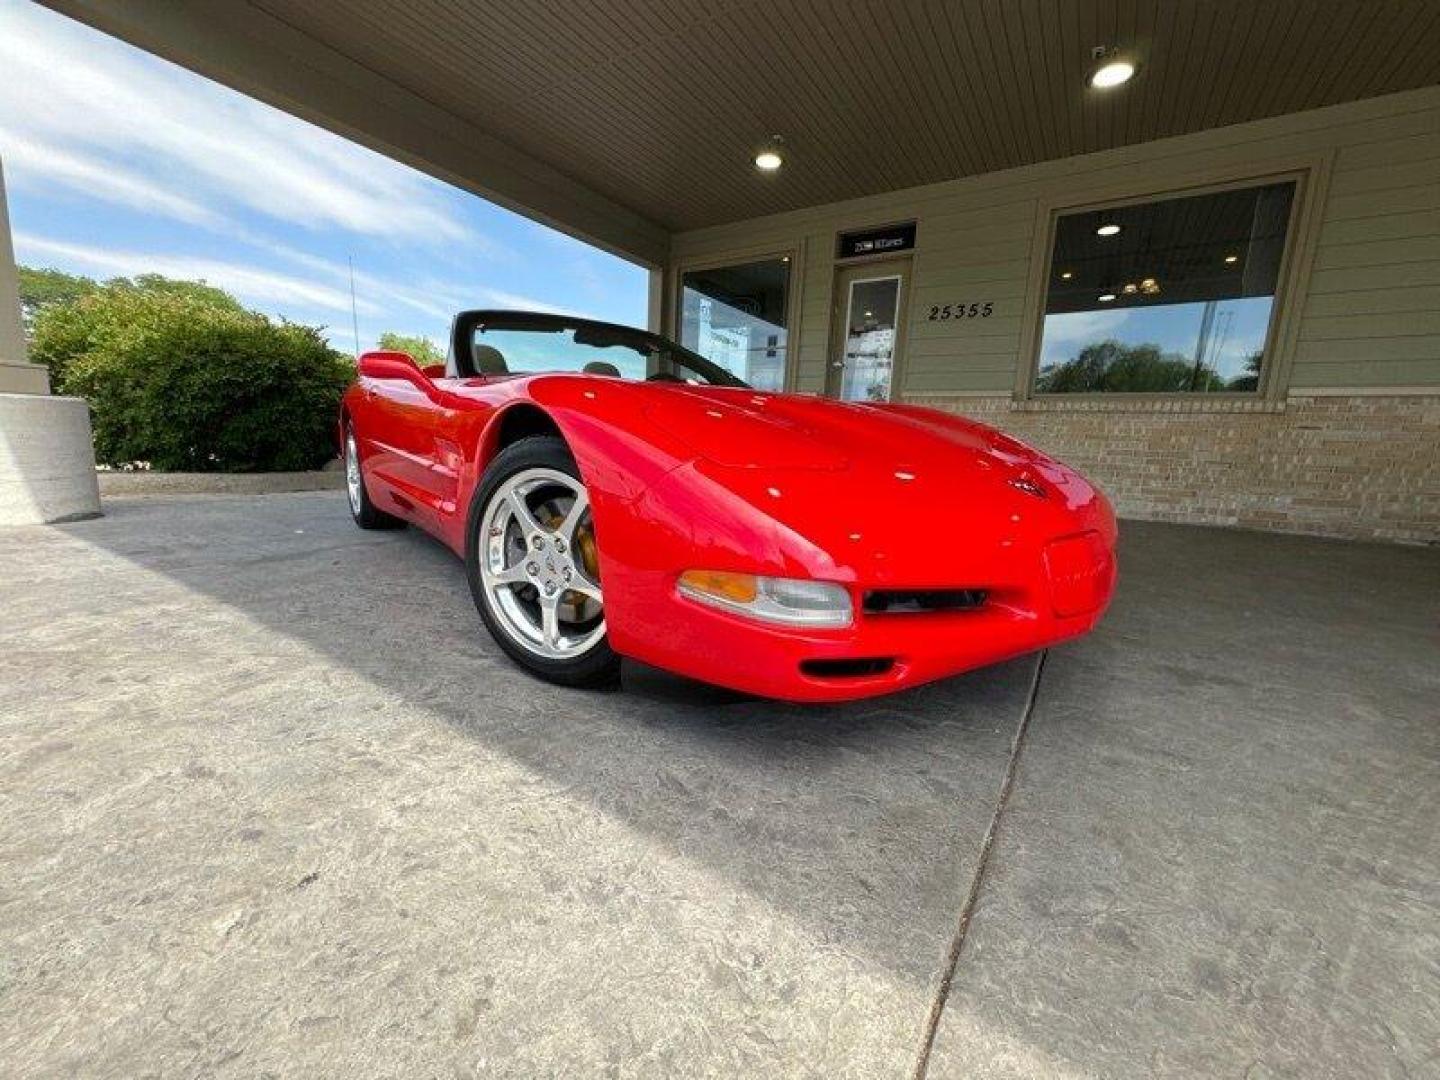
(118, 163)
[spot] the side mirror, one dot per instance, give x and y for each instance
(384, 364)
(433, 371)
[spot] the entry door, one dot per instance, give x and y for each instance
(868, 331)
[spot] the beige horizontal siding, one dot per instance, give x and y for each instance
(1376, 278)
(1397, 301)
(1368, 317)
(1372, 313)
(1400, 225)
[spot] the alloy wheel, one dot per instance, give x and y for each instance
(539, 566)
(352, 472)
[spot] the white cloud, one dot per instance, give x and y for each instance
(1065, 331)
(25, 158)
(499, 298)
(436, 299)
(254, 285)
(157, 128)
(323, 288)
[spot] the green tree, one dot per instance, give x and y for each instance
(40, 288)
(1251, 379)
(420, 349)
(180, 376)
(1136, 369)
(197, 291)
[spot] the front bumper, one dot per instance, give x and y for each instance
(1061, 594)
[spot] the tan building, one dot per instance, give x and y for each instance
(1215, 287)
(1339, 430)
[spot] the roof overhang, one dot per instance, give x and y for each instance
(625, 124)
(239, 44)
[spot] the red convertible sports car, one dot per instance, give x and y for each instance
(614, 494)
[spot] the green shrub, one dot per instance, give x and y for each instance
(179, 376)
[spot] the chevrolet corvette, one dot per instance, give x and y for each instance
(615, 494)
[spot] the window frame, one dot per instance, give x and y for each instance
(781, 251)
(1309, 177)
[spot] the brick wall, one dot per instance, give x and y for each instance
(1362, 467)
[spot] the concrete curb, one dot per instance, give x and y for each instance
(126, 484)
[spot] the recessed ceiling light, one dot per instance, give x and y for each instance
(1066, 275)
(1105, 298)
(1111, 74)
(1232, 258)
(769, 157)
(1107, 230)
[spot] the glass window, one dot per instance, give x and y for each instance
(1171, 296)
(735, 316)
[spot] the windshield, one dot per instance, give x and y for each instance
(501, 343)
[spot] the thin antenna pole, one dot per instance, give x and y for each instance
(354, 313)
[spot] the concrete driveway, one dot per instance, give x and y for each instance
(270, 804)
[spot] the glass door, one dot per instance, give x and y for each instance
(868, 337)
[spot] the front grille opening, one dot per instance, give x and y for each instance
(921, 601)
(856, 668)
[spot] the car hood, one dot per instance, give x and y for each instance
(746, 429)
(880, 485)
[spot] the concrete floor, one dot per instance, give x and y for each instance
(270, 804)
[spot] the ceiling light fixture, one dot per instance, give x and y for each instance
(1066, 275)
(1107, 230)
(1109, 69)
(1232, 258)
(1112, 74)
(770, 156)
(1105, 298)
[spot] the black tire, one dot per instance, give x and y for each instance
(365, 513)
(599, 666)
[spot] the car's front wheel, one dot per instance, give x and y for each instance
(534, 565)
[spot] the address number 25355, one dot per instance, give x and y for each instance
(942, 312)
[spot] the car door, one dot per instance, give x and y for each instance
(399, 436)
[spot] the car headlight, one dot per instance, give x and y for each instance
(791, 601)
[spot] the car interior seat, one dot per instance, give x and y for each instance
(489, 360)
(601, 367)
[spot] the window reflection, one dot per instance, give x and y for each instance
(1171, 296)
(735, 316)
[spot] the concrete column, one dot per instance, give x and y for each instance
(655, 316)
(17, 376)
(47, 463)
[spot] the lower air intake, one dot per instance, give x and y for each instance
(920, 601)
(847, 669)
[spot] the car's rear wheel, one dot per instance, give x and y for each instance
(534, 565)
(365, 513)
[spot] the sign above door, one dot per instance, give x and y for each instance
(888, 240)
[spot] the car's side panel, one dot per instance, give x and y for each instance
(394, 423)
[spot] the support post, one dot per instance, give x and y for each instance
(47, 462)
